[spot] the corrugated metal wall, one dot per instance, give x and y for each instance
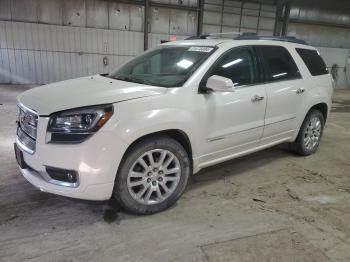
(233, 16)
(40, 53)
(43, 41)
(165, 22)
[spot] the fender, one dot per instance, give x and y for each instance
(158, 120)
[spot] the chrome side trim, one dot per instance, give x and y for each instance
(235, 155)
(216, 138)
(280, 121)
(211, 139)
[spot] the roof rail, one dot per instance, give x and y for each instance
(230, 35)
(249, 36)
(291, 39)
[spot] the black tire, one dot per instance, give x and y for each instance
(121, 192)
(298, 146)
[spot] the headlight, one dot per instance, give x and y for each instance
(77, 124)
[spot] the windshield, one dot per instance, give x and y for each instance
(167, 66)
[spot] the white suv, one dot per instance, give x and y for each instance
(138, 133)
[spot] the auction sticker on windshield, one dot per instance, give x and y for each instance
(203, 49)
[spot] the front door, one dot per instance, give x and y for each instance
(233, 121)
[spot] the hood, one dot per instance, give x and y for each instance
(85, 91)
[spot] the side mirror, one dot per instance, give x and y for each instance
(217, 83)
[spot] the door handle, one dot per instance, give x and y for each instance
(300, 90)
(257, 98)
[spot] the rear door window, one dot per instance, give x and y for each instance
(279, 64)
(313, 61)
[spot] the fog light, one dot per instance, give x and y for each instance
(63, 175)
(70, 177)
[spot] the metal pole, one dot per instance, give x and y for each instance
(200, 17)
(240, 17)
(145, 25)
(258, 25)
(278, 14)
(285, 18)
(222, 15)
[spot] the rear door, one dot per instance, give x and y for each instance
(284, 89)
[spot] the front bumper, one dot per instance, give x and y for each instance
(96, 161)
(90, 192)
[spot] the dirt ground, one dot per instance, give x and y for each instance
(269, 206)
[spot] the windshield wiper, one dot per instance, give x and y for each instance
(131, 79)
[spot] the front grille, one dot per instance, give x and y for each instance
(28, 121)
(26, 140)
(27, 128)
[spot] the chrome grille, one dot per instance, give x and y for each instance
(27, 128)
(28, 121)
(25, 141)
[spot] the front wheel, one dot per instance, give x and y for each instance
(310, 134)
(152, 175)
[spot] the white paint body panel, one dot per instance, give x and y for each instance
(220, 126)
(85, 91)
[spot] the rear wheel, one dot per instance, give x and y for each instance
(152, 175)
(310, 134)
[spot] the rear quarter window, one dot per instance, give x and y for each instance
(313, 61)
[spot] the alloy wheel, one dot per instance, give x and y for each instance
(312, 133)
(154, 176)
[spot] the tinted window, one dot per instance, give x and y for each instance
(238, 65)
(279, 63)
(313, 61)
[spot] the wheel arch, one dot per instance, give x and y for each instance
(179, 135)
(319, 105)
(322, 107)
